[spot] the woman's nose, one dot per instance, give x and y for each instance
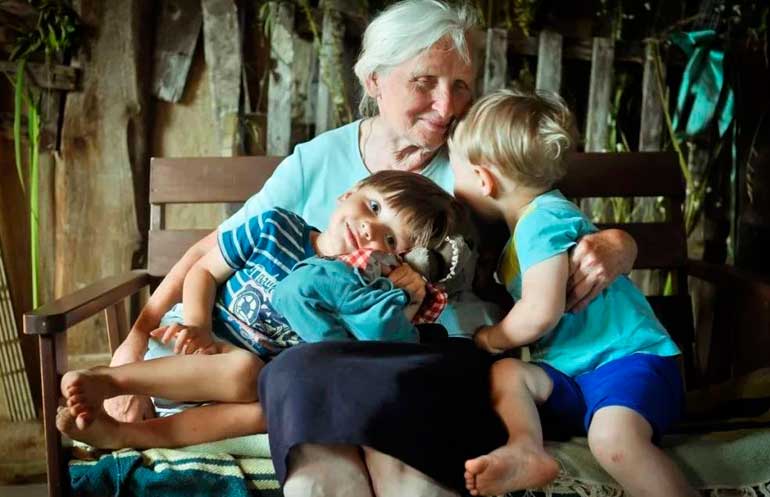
(443, 102)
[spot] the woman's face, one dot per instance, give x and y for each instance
(420, 97)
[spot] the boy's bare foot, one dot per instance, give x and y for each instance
(103, 432)
(510, 467)
(85, 391)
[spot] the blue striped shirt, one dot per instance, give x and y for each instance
(262, 251)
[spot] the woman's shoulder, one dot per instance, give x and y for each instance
(337, 137)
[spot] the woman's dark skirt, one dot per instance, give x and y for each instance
(425, 404)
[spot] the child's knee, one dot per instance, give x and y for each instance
(614, 444)
(245, 368)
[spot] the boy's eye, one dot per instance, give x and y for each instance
(391, 241)
(374, 206)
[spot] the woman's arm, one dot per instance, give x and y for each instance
(537, 312)
(595, 262)
(131, 408)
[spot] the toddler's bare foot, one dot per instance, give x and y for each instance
(85, 391)
(102, 432)
(510, 467)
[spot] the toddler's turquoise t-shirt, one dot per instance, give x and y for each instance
(617, 323)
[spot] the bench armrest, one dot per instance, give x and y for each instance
(729, 278)
(61, 314)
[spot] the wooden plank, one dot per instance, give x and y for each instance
(222, 47)
(496, 60)
(651, 130)
(226, 180)
(279, 94)
(177, 29)
(579, 49)
(661, 245)
(599, 95)
(117, 324)
(549, 50)
(640, 174)
(104, 156)
(330, 57)
(166, 247)
(50, 76)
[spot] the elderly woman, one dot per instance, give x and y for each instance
(417, 75)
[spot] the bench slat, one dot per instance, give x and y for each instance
(209, 180)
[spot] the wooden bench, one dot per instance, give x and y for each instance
(205, 180)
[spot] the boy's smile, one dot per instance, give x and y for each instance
(363, 219)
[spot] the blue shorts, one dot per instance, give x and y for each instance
(650, 385)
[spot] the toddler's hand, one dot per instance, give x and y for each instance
(188, 339)
(410, 280)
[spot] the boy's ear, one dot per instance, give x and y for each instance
(344, 196)
(486, 179)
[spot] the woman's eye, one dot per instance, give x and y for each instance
(374, 206)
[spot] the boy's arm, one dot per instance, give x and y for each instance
(537, 312)
(200, 288)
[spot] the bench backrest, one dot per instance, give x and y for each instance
(662, 245)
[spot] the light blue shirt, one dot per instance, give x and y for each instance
(619, 322)
(309, 181)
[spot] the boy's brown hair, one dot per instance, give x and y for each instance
(430, 213)
(525, 135)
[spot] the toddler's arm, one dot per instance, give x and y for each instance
(540, 308)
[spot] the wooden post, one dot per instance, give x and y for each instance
(279, 94)
(599, 95)
(103, 157)
(496, 60)
(651, 132)
(330, 61)
(222, 47)
(176, 34)
(549, 57)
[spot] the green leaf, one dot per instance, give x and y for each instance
(18, 94)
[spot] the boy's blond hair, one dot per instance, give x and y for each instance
(430, 213)
(526, 136)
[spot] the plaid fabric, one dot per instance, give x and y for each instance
(373, 264)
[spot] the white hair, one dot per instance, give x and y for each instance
(404, 30)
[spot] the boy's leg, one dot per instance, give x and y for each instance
(192, 426)
(522, 462)
(230, 376)
(630, 402)
(621, 441)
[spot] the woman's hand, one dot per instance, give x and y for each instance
(481, 339)
(595, 262)
(410, 280)
(187, 339)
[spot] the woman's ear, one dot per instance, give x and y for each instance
(372, 85)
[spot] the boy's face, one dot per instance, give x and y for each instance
(469, 186)
(363, 219)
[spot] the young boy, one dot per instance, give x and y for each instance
(610, 370)
(389, 212)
